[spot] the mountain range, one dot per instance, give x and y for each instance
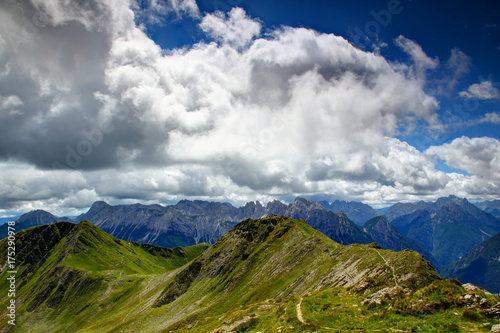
(481, 266)
(447, 228)
(492, 207)
(443, 231)
(356, 211)
(274, 274)
(192, 222)
(32, 219)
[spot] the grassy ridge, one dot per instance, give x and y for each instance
(76, 278)
(71, 275)
(278, 258)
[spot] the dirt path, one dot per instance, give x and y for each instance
(392, 267)
(299, 312)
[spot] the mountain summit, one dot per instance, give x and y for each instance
(32, 219)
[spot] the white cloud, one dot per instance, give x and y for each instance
(92, 14)
(493, 118)
(238, 29)
(9, 102)
(154, 12)
(421, 60)
(24, 185)
(9, 106)
(457, 65)
(477, 156)
(484, 90)
(455, 122)
(182, 6)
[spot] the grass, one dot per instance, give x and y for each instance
(345, 311)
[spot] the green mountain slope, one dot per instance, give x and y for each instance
(68, 273)
(263, 263)
(269, 275)
(481, 266)
(257, 252)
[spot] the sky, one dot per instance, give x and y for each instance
(233, 100)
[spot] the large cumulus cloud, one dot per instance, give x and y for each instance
(253, 114)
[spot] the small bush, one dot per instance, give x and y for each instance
(453, 328)
(471, 315)
(247, 326)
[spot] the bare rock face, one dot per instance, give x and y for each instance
(377, 297)
(470, 287)
(493, 312)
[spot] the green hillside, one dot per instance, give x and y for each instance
(73, 273)
(268, 275)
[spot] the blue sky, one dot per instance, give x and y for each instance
(156, 101)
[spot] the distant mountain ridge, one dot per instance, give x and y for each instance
(32, 219)
(491, 207)
(429, 228)
(192, 222)
(402, 209)
(481, 266)
(356, 211)
(447, 228)
(389, 237)
(186, 223)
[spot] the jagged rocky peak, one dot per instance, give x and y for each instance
(379, 223)
(252, 209)
(341, 214)
(252, 204)
(276, 206)
(306, 204)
